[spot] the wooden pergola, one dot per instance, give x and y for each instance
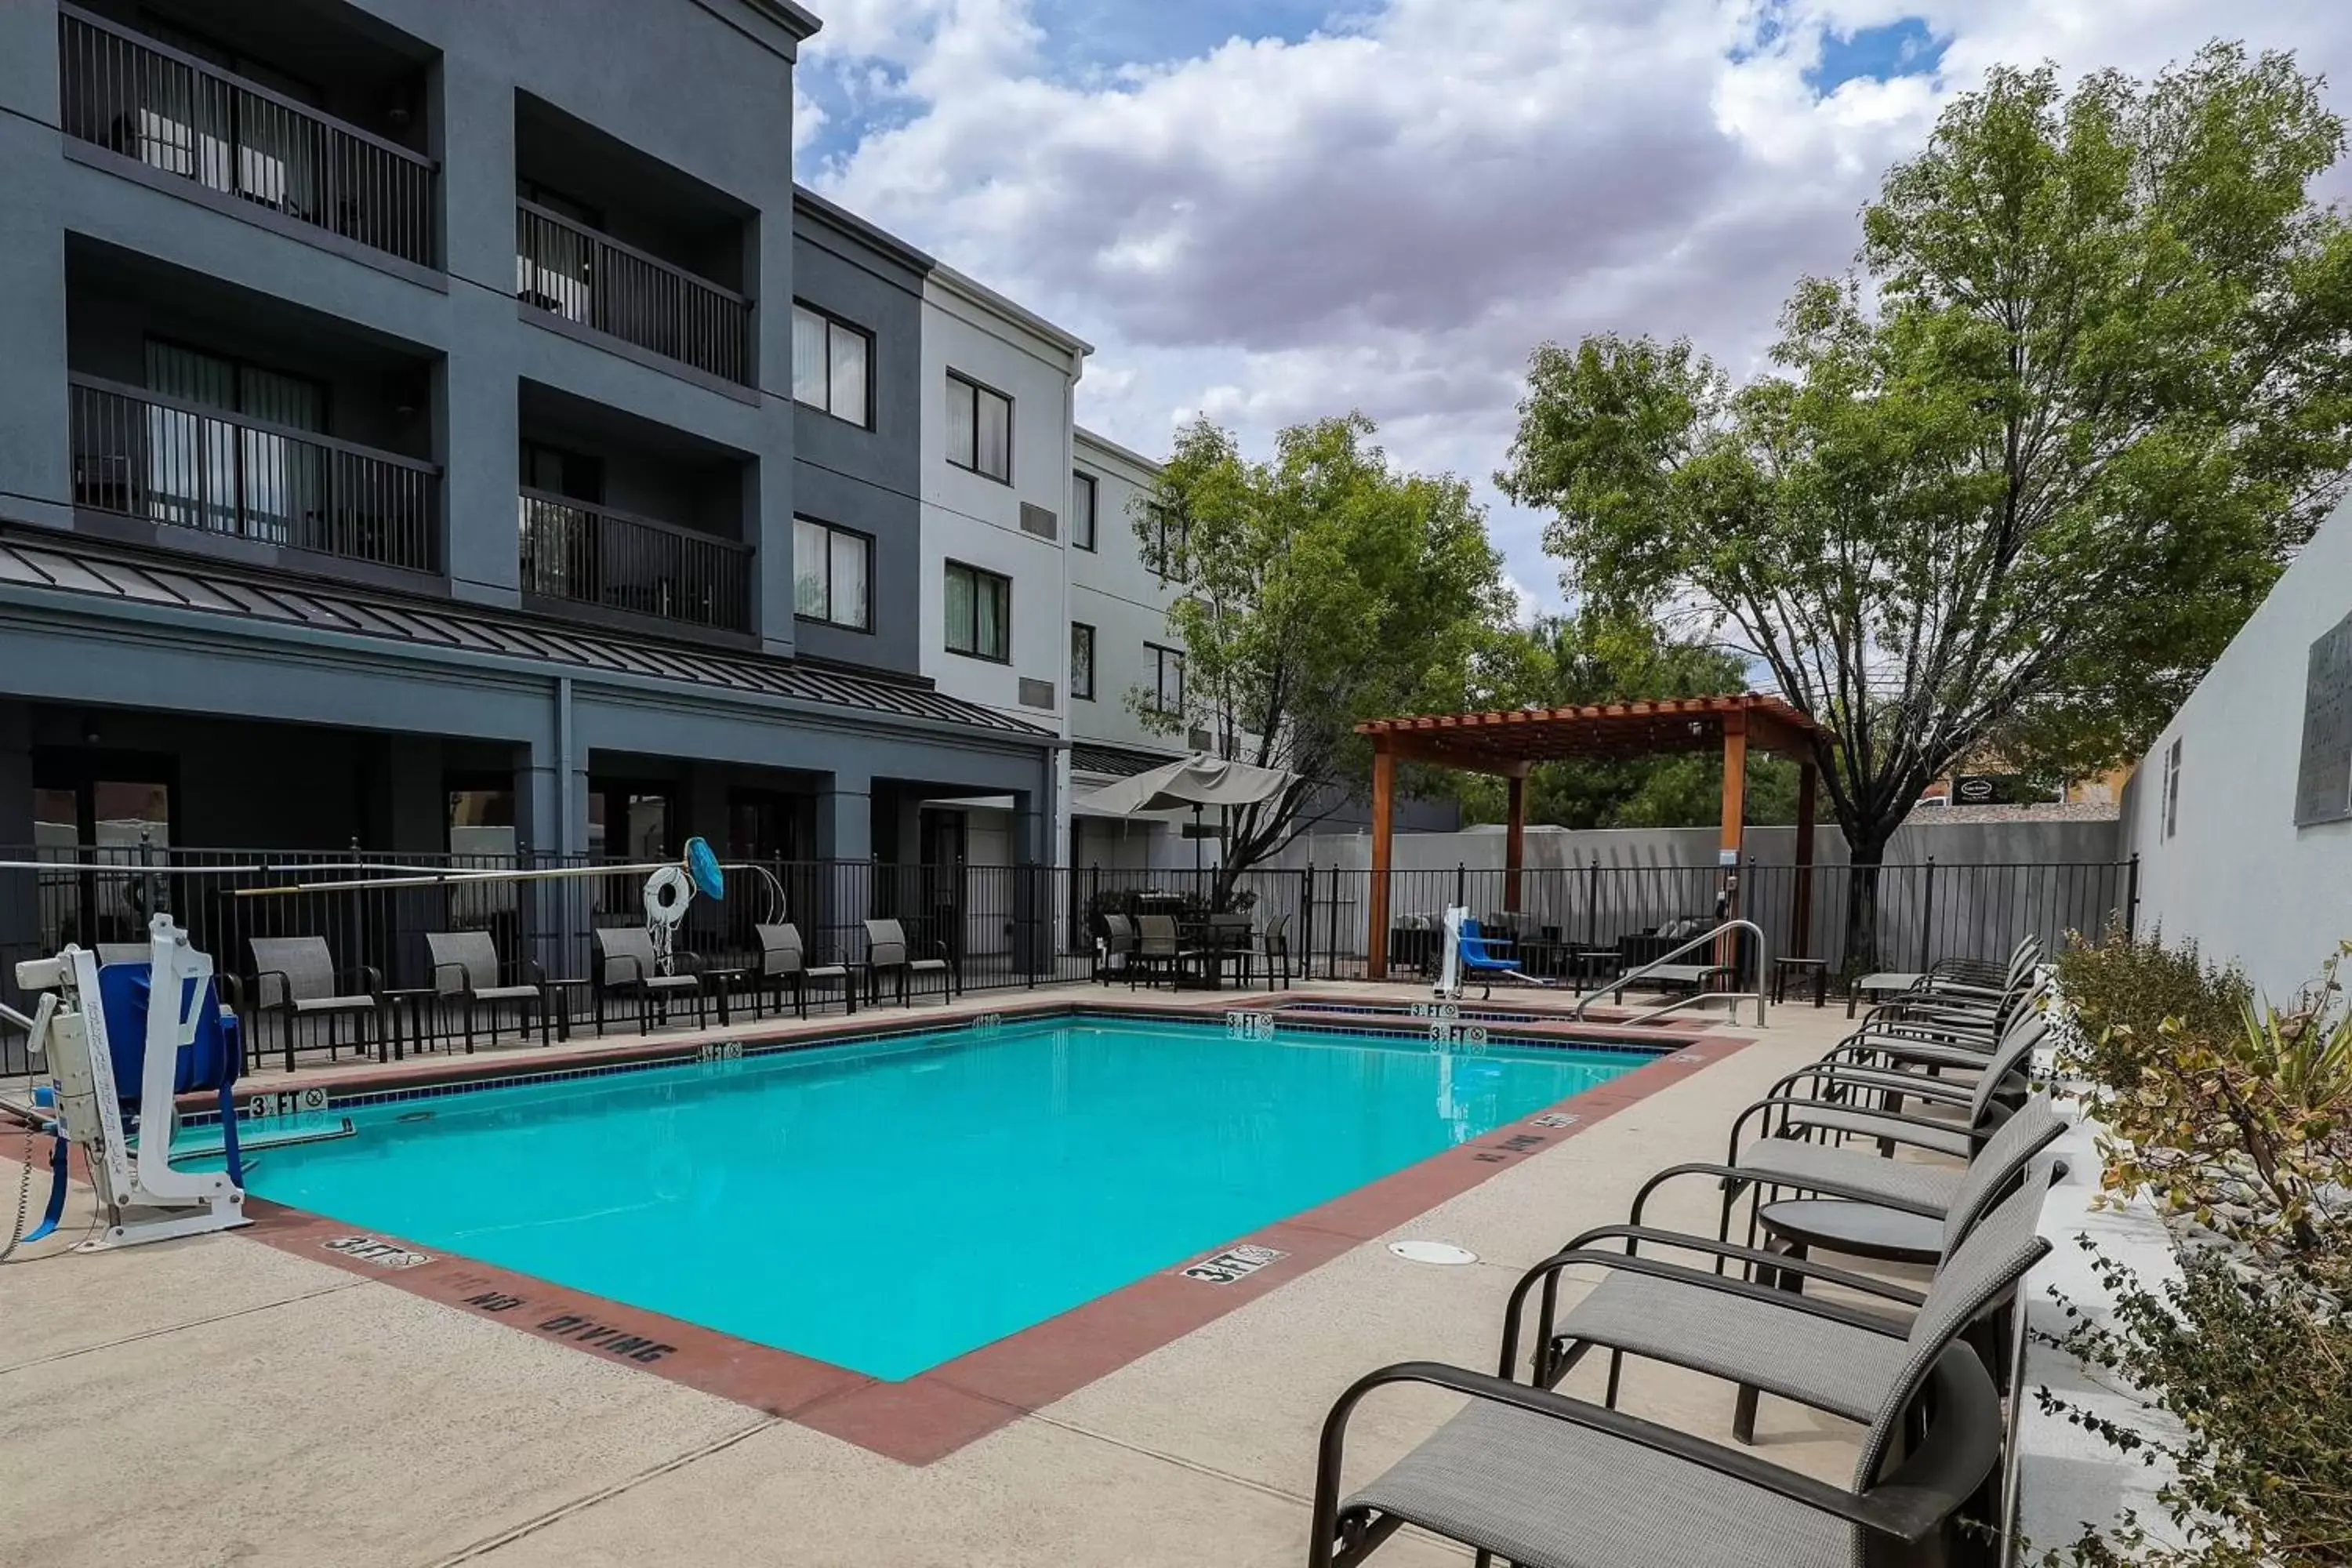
(1510, 744)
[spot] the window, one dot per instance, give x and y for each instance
(830, 361)
(1170, 537)
(1082, 512)
(1082, 660)
(980, 613)
(208, 474)
(2172, 788)
(831, 567)
(979, 428)
(1166, 692)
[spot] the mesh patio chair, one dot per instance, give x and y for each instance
(1665, 1310)
(781, 961)
(1546, 1482)
(1274, 949)
(1158, 950)
(626, 966)
(1118, 942)
(296, 978)
(887, 952)
(466, 966)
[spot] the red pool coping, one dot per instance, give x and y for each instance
(930, 1416)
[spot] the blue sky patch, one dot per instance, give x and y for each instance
(1899, 48)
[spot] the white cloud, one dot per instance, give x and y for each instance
(1390, 213)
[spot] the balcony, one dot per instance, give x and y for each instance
(185, 118)
(180, 464)
(575, 553)
(592, 280)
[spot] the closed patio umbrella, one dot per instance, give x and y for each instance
(1196, 781)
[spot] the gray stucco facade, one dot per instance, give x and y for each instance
(511, 355)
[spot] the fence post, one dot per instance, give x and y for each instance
(1927, 920)
(2131, 896)
(1592, 903)
(1461, 883)
(1306, 919)
(1331, 924)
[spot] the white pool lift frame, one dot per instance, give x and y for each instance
(143, 1198)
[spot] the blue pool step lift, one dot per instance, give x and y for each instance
(117, 1059)
(1470, 952)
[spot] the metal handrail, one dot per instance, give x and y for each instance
(1618, 989)
(219, 416)
(633, 253)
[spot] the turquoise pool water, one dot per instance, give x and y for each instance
(886, 1206)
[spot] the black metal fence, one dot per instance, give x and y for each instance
(1002, 926)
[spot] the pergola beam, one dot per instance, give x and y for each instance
(1508, 742)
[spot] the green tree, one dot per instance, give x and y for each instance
(1569, 659)
(2018, 480)
(1323, 588)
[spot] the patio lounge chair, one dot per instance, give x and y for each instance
(781, 961)
(1548, 1481)
(296, 978)
(887, 953)
(465, 965)
(626, 966)
(1664, 1309)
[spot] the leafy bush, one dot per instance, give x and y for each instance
(2120, 991)
(2259, 1373)
(2237, 1117)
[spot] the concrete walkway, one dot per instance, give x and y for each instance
(219, 1401)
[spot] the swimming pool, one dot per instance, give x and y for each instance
(889, 1205)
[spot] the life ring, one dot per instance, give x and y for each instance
(667, 892)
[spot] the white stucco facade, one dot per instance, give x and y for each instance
(2221, 859)
(975, 520)
(1115, 591)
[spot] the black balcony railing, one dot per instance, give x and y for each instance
(141, 454)
(595, 281)
(588, 555)
(181, 116)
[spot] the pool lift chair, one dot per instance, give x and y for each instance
(1469, 949)
(119, 1043)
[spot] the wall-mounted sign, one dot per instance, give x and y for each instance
(1975, 789)
(2323, 783)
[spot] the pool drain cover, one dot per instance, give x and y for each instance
(1433, 1252)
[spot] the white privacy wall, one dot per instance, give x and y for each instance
(2235, 873)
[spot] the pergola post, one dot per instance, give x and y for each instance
(1734, 804)
(1800, 913)
(1514, 836)
(1376, 939)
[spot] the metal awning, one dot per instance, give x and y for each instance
(70, 566)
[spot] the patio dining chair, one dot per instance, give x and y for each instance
(466, 966)
(1274, 949)
(781, 961)
(628, 966)
(1117, 944)
(296, 978)
(1158, 950)
(888, 953)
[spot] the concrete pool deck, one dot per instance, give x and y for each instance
(222, 1400)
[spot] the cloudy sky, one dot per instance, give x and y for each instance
(1271, 210)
